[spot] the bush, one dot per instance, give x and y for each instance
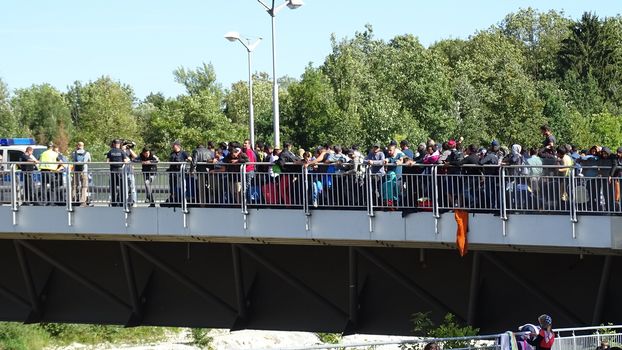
(201, 338)
(16, 336)
(329, 338)
(449, 328)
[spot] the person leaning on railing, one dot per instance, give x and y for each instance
(149, 163)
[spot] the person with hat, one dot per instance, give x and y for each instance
(545, 337)
(80, 157)
(117, 158)
(176, 157)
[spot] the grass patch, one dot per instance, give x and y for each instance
(16, 336)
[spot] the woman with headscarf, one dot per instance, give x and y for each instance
(545, 338)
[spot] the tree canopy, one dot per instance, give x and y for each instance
(502, 83)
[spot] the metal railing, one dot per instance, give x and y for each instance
(584, 338)
(434, 188)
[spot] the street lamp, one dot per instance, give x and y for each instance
(272, 11)
(235, 36)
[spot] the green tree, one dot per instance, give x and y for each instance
(506, 96)
(590, 62)
(8, 123)
(236, 102)
(44, 112)
(540, 36)
(313, 115)
(192, 119)
(607, 129)
(102, 110)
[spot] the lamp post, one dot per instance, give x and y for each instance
(235, 36)
(272, 11)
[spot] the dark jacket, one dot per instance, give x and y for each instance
(616, 167)
(151, 167)
(468, 163)
(233, 163)
(285, 157)
(490, 159)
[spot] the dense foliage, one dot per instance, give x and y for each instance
(501, 83)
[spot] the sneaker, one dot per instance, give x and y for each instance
(315, 203)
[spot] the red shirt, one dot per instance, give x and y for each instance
(251, 158)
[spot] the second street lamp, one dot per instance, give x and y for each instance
(235, 36)
(272, 11)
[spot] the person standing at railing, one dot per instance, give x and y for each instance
(149, 163)
(201, 157)
(549, 139)
(128, 148)
(614, 175)
(535, 174)
(375, 159)
(174, 177)
(234, 184)
(28, 167)
(472, 173)
(247, 148)
(80, 183)
(49, 175)
(564, 183)
(291, 172)
(546, 337)
(491, 161)
(117, 157)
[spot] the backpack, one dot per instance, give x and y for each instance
(78, 158)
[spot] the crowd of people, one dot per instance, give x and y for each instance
(390, 175)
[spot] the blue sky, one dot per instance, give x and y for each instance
(140, 42)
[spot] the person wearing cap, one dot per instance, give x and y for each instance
(176, 157)
(149, 167)
(116, 157)
(545, 337)
(49, 177)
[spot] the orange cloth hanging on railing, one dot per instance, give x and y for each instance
(462, 221)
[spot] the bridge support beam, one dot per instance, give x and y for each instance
(473, 290)
(353, 292)
(407, 282)
(602, 290)
(74, 274)
(238, 279)
(293, 281)
(36, 310)
(14, 297)
(531, 288)
(137, 309)
(206, 294)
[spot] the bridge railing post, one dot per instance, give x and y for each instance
(305, 190)
(69, 187)
(244, 200)
(14, 189)
(572, 200)
(435, 204)
(184, 186)
(124, 189)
